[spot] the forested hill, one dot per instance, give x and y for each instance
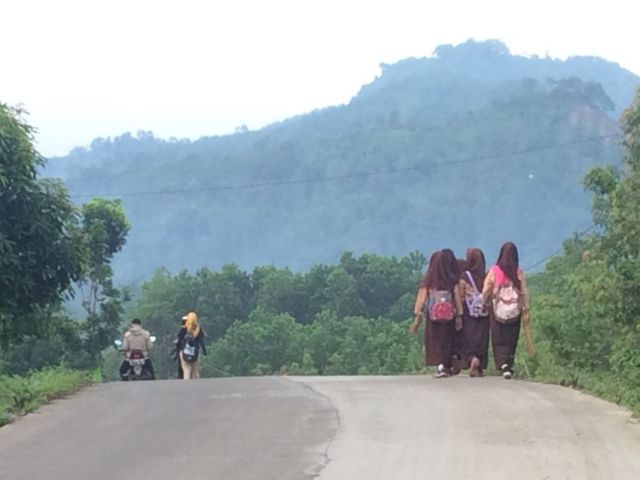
(471, 146)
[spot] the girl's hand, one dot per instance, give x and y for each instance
(413, 328)
(458, 323)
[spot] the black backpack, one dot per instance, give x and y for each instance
(190, 348)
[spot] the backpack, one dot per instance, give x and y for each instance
(440, 306)
(191, 348)
(506, 304)
(474, 304)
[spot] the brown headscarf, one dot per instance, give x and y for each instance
(476, 266)
(451, 266)
(440, 275)
(430, 268)
(508, 262)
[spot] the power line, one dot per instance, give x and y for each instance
(371, 174)
(559, 251)
(248, 186)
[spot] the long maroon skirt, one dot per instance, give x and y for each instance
(476, 339)
(504, 338)
(438, 342)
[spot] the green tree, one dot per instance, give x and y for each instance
(105, 228)
(343, 291)
(282, 291)
(40, 253)
(586, 306)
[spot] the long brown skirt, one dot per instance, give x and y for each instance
(476, 339)
(438, 342)
(458, 344)
(504, 338)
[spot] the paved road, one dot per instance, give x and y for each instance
(258, 428)
(485, 428)
(335, 427)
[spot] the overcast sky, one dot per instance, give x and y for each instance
(85, 69)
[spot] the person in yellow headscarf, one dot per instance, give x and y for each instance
(191, 341)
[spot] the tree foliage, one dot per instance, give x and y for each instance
(275, 343)
(48, 246)
(368, 286)
(588, 307)
(39, 231)
(104, 228)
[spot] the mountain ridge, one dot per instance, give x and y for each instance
(416, 113)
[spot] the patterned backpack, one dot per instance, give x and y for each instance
(474, 304)
(440, 306)
(506, 298)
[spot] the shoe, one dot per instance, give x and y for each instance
(441, 372)
(507, 374)
(474, 369)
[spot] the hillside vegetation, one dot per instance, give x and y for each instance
(420, 159)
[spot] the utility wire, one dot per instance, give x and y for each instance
(369, 174)
(559, 251)
(249, 186)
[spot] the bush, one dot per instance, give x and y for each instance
(21, 395)
(32, 354)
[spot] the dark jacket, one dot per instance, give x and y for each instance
(183, 333)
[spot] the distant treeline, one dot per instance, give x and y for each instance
(234, 306)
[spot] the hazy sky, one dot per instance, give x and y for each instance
(85, 69)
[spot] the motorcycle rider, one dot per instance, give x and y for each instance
(136, 338)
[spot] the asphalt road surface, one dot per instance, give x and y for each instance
(334, 428)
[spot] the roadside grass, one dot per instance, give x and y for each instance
(22, 395)
(607, 385)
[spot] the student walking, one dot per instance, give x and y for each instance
(191, 340)
(475, 318)
(506, 286)
(455, 266)
(438, 302)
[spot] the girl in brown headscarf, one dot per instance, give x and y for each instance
(455, 266)
(475, 317)
(452, 264)
(506, 285)
(439, 301)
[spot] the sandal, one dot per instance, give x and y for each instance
(474, 369)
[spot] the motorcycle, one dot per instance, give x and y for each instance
(137, 361)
